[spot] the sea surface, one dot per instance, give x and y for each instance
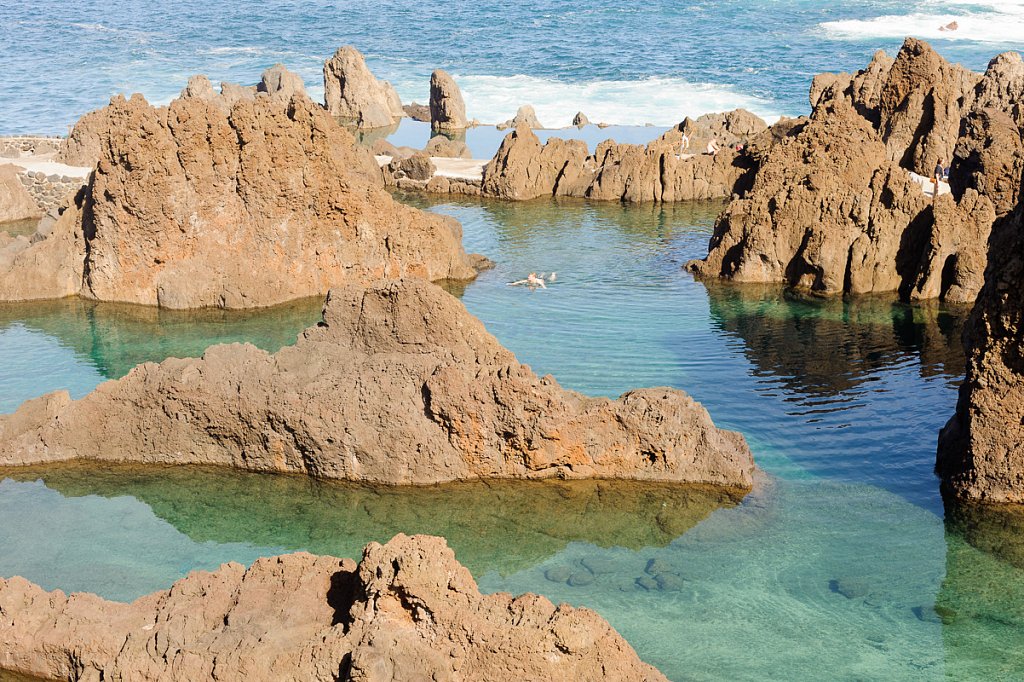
(843, 564)
(621, 63)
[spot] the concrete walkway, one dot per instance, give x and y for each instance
(44, 163)
(927, 187)
(454, 169)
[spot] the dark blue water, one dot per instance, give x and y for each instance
(631, 64)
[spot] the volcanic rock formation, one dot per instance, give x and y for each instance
(834, 207)
(981, 448)
(523, 168)
(200, 204)
(447, 110)
(399, 384)
(526, 117)
(354, 95)
(407, 611)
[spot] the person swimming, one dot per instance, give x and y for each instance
(532, 281)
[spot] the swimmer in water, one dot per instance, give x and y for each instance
(532, 281)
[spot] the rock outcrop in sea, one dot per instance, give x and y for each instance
(834, 207)
(981, 448)
(523, 168)
(407, 611)
(204, 203)
(354, 95)
(398, 384)
(447, 110)
(526, 117)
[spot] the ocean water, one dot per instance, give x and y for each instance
(843, 564)
(653, 62)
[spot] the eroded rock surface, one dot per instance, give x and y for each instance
(202, 204)
(407, 611)
(447, 110)
(354, 95)
(834, 206)
(981, 448)
(399, 384)
(523, 168)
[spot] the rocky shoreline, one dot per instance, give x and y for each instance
(407, 610)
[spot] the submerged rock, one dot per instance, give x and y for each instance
(834, 207)
(201, 205)
(354, 95)
(399, 384)
(447, 110)
(407, 610)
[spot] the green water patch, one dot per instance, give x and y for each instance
(74, 344)
(20, 228)
(981, 601)
(497, 526)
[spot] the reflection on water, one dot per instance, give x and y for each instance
(495, 526)
(839, 562)
(981, 602)
(822, 348)
(111, 338)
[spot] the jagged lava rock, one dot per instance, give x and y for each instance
(399, 384)
(447, 110)
(830, 212)
(353, 94)
(981, 448)
(280, 82)
(199, 205)
(523, 168)
(407, 611)
(526, 117)
(826, 212)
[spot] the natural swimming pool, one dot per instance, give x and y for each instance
(840, 565)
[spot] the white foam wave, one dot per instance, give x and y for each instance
(991, 21)
(657, 101)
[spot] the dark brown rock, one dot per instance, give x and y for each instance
(447, 110)
(833, 207)
(981, 448)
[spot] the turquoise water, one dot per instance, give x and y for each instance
(841, 565)
(651, 62)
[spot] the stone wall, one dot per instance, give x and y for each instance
(13, 147)
(49, 191)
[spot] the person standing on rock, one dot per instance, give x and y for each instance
(685, 145)
(937, 176)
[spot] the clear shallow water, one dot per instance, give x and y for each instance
(654, 62)
(840, 565)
